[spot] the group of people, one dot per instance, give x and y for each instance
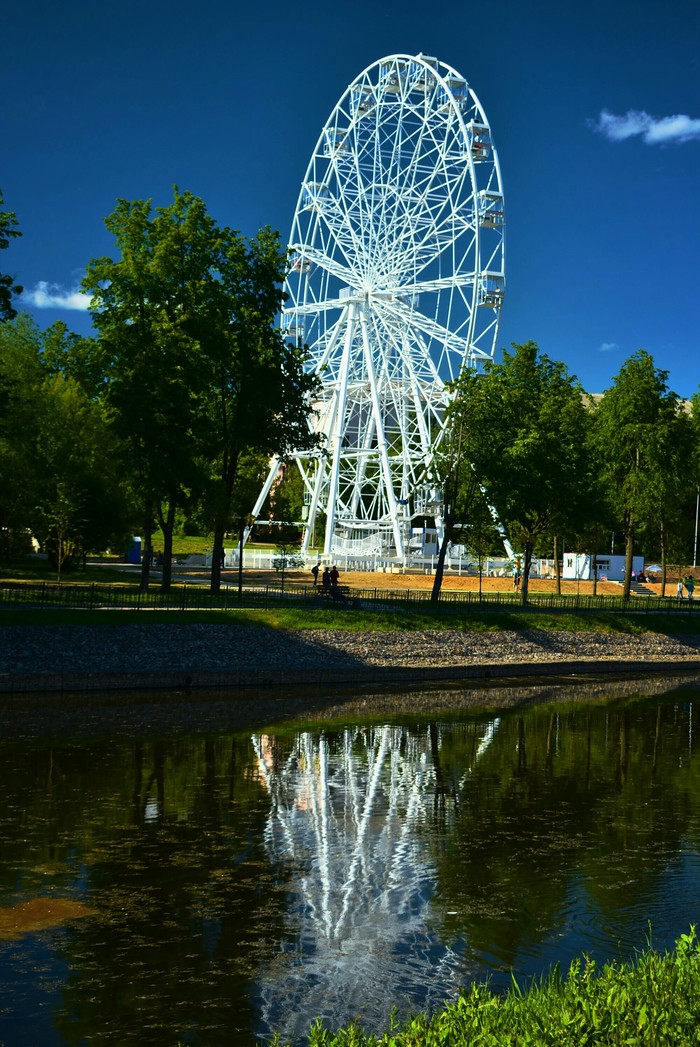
(689, 585)
(329, 578)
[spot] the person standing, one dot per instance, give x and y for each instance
(679, 590)
(690, 586)
(326, 578)
(314, 571)
(334, 577)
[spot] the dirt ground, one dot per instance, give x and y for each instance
(452, 581)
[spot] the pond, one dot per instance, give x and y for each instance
(209, 887)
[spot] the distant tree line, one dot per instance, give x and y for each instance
(172, 411)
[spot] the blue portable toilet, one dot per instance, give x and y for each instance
(133, 553)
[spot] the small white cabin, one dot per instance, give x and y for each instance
(579, 567)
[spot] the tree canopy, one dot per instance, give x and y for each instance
(643, 440)
(192, 365)
(8, 287)
(523, 425)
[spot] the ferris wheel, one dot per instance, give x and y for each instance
(396, 284)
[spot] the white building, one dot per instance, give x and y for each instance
(579, 566)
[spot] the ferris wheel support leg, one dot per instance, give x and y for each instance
(313, 509)
(381, 440)
(267, 487)
(338, 432)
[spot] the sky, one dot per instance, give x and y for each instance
(594, 110)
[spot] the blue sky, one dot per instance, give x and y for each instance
(594, 108)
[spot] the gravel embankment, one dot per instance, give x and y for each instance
(53, 655)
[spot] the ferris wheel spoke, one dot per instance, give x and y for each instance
(431, 328)
(310, 255)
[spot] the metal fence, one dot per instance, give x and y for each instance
(93, 596)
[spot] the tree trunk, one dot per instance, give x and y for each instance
(526, 571)
(557, 568)
(440, 568)
(167, 524)
(241, 536)
(217, 555)
(229, 474)
(629, 548)
(146, 552)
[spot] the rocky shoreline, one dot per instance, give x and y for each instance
(67, 683)
(35, 657)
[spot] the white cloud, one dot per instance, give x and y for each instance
(51, 296)
(608, 347)
(652, 130)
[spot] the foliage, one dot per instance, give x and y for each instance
(193, 369)
(523, 428)
(643, 444)
(59, 458)
(20, 395)
(146, 308)
(654, 1000)
(8, 288)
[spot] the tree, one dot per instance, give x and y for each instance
(8, 288)
(642, 441)
(193, 368)
(59, 458)
(21, 379)
(73, 356)
(479, 533)
(258, 394)
(79, 500)
(459, 488)
(524, 429)
(147, 309)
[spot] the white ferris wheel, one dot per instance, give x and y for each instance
(396, 283)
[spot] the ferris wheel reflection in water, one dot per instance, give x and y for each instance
(346, 819)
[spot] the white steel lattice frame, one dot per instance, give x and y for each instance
(396, 282)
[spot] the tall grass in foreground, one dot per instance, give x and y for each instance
(653, 1000)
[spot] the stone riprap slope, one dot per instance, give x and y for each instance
(35, 650)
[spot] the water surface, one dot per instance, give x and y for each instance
(210, 888)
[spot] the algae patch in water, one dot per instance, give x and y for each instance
(40, 914)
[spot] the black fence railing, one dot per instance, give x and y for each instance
(93, 596)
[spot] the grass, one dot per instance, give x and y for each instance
(654, 1000)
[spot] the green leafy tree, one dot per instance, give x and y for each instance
(147, 308)
(21, 378)
(194, 370)
(479, 533)
(457, 482)
(8, 288)
(642, 441)
(79, 501)
(524, 426)
(258, 394)
(73, 356)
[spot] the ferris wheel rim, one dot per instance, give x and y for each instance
(440, 73)
(396, 281)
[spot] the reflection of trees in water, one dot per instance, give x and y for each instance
(569, 834)
(346, 814)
